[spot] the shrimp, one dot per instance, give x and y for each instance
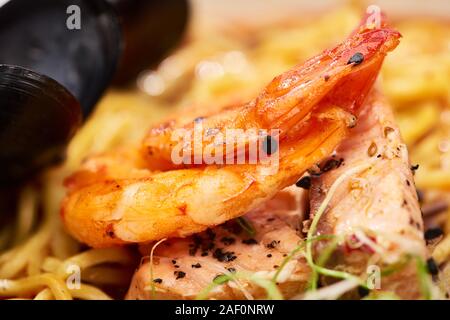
(311, 105)
(335, 76)
(177, 203)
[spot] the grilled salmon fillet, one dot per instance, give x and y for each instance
(377, 209)
(182, 268)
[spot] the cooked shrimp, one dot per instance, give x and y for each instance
(178, 203)
(335, 76)
(130, 205)
(378, 208)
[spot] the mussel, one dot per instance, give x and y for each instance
(58, 57)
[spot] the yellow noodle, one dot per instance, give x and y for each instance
(415, 123)
(102, 276)
(5, 237)
(432, 178)
(45, 294)
(51, 264)
(26, 213)
(35, 263)
(62, 245)
(87, 292)
(95, 257)
(29, 286)
(447, 225)
(442, 251)
(421, 153)
(18, 260)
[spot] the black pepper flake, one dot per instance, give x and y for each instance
(197, 240)
(432, 267)
(356, 59)
(204, 254)
(272, 244)
(179, 274)
(193, 252)
(270, 219)
(249, 241)
(208, 246)
(326, 77)
(233, 227)
(331, 164)
(110, 233)
(174, 261)
(414, 168)
(196, 266)
(176, 266)
(304, 183)
(269, 255)
(433, 233)
(211, 234)
(276, 266)
(222, 256)
(228, 241)
(363, 292)
(157, 280)
(408, 183)
(231, 270)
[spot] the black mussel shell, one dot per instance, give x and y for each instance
(151, 28)
(41, 35)
(38, 117)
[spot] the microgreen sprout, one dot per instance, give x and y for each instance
(246, 225)
(316, 269)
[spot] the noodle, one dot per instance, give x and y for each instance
(30, 285)
(41, 258)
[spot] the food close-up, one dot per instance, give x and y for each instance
(224, 150)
